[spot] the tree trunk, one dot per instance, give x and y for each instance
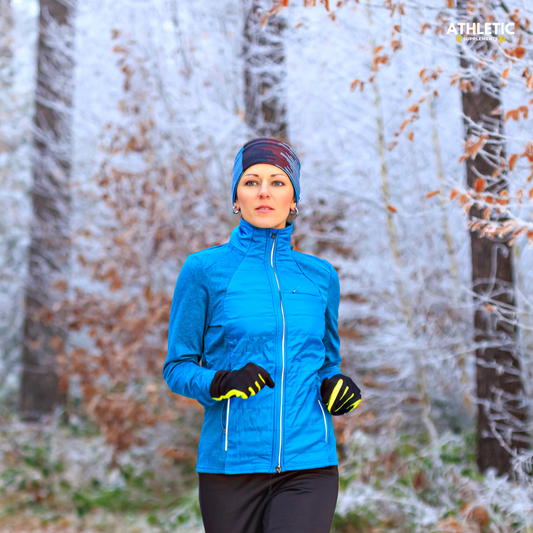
(6, 27)
(497, 368)
(7, 72)
(44, 334)
(264, 70)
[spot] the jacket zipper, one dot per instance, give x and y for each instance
(278, 468)
(226, 429)
(325, 423)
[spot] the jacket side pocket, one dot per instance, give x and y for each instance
(325, 421)
(226, 426)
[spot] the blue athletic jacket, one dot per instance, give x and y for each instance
(256, 299)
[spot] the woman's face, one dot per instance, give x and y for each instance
(265, 184)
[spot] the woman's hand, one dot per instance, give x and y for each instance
(340, 394)
(245, 382)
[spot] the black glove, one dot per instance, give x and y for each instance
(340, 394)
(245, 382)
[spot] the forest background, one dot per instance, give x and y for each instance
(119, 122)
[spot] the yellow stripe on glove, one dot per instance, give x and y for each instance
(340, 404)
(240, 383)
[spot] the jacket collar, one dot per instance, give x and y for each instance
(247, 236)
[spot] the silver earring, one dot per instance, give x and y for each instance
(235, 212)
(295, 213)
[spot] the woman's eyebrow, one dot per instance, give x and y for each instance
(271, 175)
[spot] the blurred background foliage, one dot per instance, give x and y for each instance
(119, 122)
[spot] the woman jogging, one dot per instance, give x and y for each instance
(262, 320)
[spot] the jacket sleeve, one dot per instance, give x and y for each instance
(331, 337)
(188, 318)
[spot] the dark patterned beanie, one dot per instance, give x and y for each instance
(271, 151)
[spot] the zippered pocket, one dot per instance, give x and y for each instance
(225, 431)
(325, 422)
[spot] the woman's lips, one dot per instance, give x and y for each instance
(264, 210)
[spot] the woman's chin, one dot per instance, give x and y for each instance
(263, 219)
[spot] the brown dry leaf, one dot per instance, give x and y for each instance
(10, 458)
(350, 333)
(371, 383)
(353, 85)
(388, 370)
(404, 123)
(479, 515)
(473, 145)
(419, 481)
(480, 184)
(55, 342)
(513, 113)
(475, 226)
(450, 525)
(519, 52)
(150, 388)
(61, 285)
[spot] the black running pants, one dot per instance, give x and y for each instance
(297, 501)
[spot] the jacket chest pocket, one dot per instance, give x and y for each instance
(305, 313)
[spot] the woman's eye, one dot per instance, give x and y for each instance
(253, 181)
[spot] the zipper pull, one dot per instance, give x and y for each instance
(278, 469)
